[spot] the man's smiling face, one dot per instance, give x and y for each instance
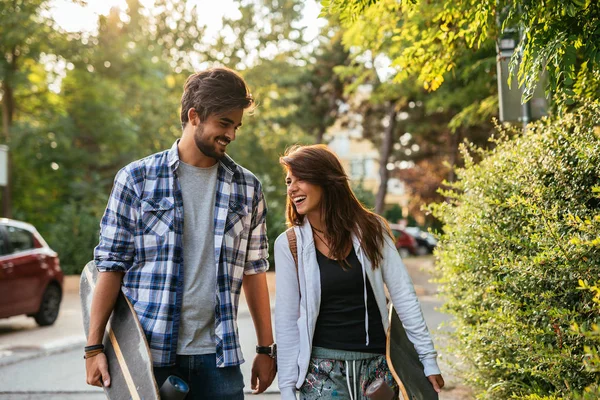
(213, 135)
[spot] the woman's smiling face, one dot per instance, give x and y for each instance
(305, 196)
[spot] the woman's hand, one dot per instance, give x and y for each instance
(437, 382)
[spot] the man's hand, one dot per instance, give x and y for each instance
(108, 286)
(264, 369)
(96, 371)
(437, 382)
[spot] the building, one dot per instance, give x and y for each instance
(360, 159)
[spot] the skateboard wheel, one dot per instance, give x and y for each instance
(174, 388)
(379, 390)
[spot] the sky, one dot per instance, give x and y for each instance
(77, 18)
(72, 17)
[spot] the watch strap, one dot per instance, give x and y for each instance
(271, 350)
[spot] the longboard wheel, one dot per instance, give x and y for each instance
(174, 388)
(379, 390)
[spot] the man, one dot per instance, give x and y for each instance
(181, 230)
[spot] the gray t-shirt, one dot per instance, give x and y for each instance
(197, 326)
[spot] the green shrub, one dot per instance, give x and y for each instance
(74, 236)
(393, 214)
(364, 195)
(592, 357)
(521, 229)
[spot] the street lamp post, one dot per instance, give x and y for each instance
(510, 95)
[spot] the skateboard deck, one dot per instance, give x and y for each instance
(404, 363)
(127, 352)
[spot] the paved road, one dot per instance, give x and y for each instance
(46, 363)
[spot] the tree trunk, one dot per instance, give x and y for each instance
(8, 109)
(454, 154)
(384, 156)
(320, 134)
(332, 113)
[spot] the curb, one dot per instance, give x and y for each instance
(38, 352)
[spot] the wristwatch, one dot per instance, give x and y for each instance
(271, 350)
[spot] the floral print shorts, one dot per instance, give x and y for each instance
(339, 374)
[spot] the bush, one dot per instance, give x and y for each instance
(592, 357)
(74, 237)
(393, 214)
(521, 229)
(364, 195)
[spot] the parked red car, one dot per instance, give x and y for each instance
(30, 276)
(405, 243)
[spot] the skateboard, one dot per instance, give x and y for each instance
(126, 349)
(404, 363)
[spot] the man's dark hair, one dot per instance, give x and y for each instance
(214, 91)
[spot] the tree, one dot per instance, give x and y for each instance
(379, 106)
(117, 102)
(321, 91)
(27, 34)
(277, 80)
(427, 127)
(377, 99)
(559, 38)
(460, 110)
(118, 98)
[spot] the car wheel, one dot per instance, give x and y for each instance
(404, 253)
(422, 250)
(50, 305)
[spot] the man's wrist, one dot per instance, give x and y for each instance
(93, 350)
(270, 351)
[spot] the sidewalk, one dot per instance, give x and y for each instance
(421, 270)
(97, 396)
(24, 346)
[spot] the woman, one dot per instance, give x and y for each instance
(330, 313)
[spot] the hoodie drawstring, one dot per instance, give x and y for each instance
(351, 389)
(365, 299)
(354, 378)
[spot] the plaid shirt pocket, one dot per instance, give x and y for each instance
(236, 219)
(158, 215)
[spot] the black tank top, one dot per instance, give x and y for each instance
(341, 321)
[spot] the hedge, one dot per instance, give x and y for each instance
(519, 259)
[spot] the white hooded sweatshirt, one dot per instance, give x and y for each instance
(298, 299)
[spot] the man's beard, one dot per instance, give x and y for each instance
(208, 149)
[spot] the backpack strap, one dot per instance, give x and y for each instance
(291, 236)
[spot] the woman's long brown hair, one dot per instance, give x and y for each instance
(344, 214)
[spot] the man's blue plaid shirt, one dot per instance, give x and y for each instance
(141, 233)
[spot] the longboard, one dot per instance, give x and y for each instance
(404, 363)
(127, 352)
